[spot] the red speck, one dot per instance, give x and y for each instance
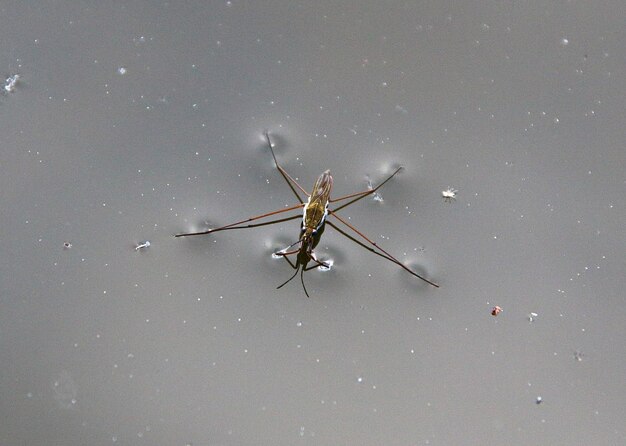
(496, 310)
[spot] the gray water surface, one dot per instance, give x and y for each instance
(135, 121)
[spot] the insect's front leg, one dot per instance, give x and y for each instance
(285, 255)
(318, 262)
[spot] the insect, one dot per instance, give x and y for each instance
(315, 213)
(449, 194)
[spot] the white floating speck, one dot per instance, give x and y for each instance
(532, 317)
(401, 109)
(122, 70)
(449, 194)
(10, 83)
(142, 245)
(539, 400)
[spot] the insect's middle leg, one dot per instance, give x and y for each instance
(290, 181)
(237, 224)
(360, 195)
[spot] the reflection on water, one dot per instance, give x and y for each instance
(327, 265)
(376, 196)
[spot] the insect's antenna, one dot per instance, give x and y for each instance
(302, 280)
(289, 280)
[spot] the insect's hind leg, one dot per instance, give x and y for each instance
(377, 246)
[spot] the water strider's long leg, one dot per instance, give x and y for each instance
(287, 253)
(319, 264)
(256, 225)
(230, 226)
(361, 195)
(358, 242)
(284, 173)
(284, 254)
(393, 259)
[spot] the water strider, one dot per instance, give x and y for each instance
(314, 219)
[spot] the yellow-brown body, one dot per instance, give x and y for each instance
(316, 210)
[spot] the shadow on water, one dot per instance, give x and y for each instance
(421, 268)
(200, 243)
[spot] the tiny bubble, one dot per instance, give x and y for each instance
(122, 70)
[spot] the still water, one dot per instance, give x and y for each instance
(129, 123)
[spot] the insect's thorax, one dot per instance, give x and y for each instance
(316, 209)
(314, 215)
